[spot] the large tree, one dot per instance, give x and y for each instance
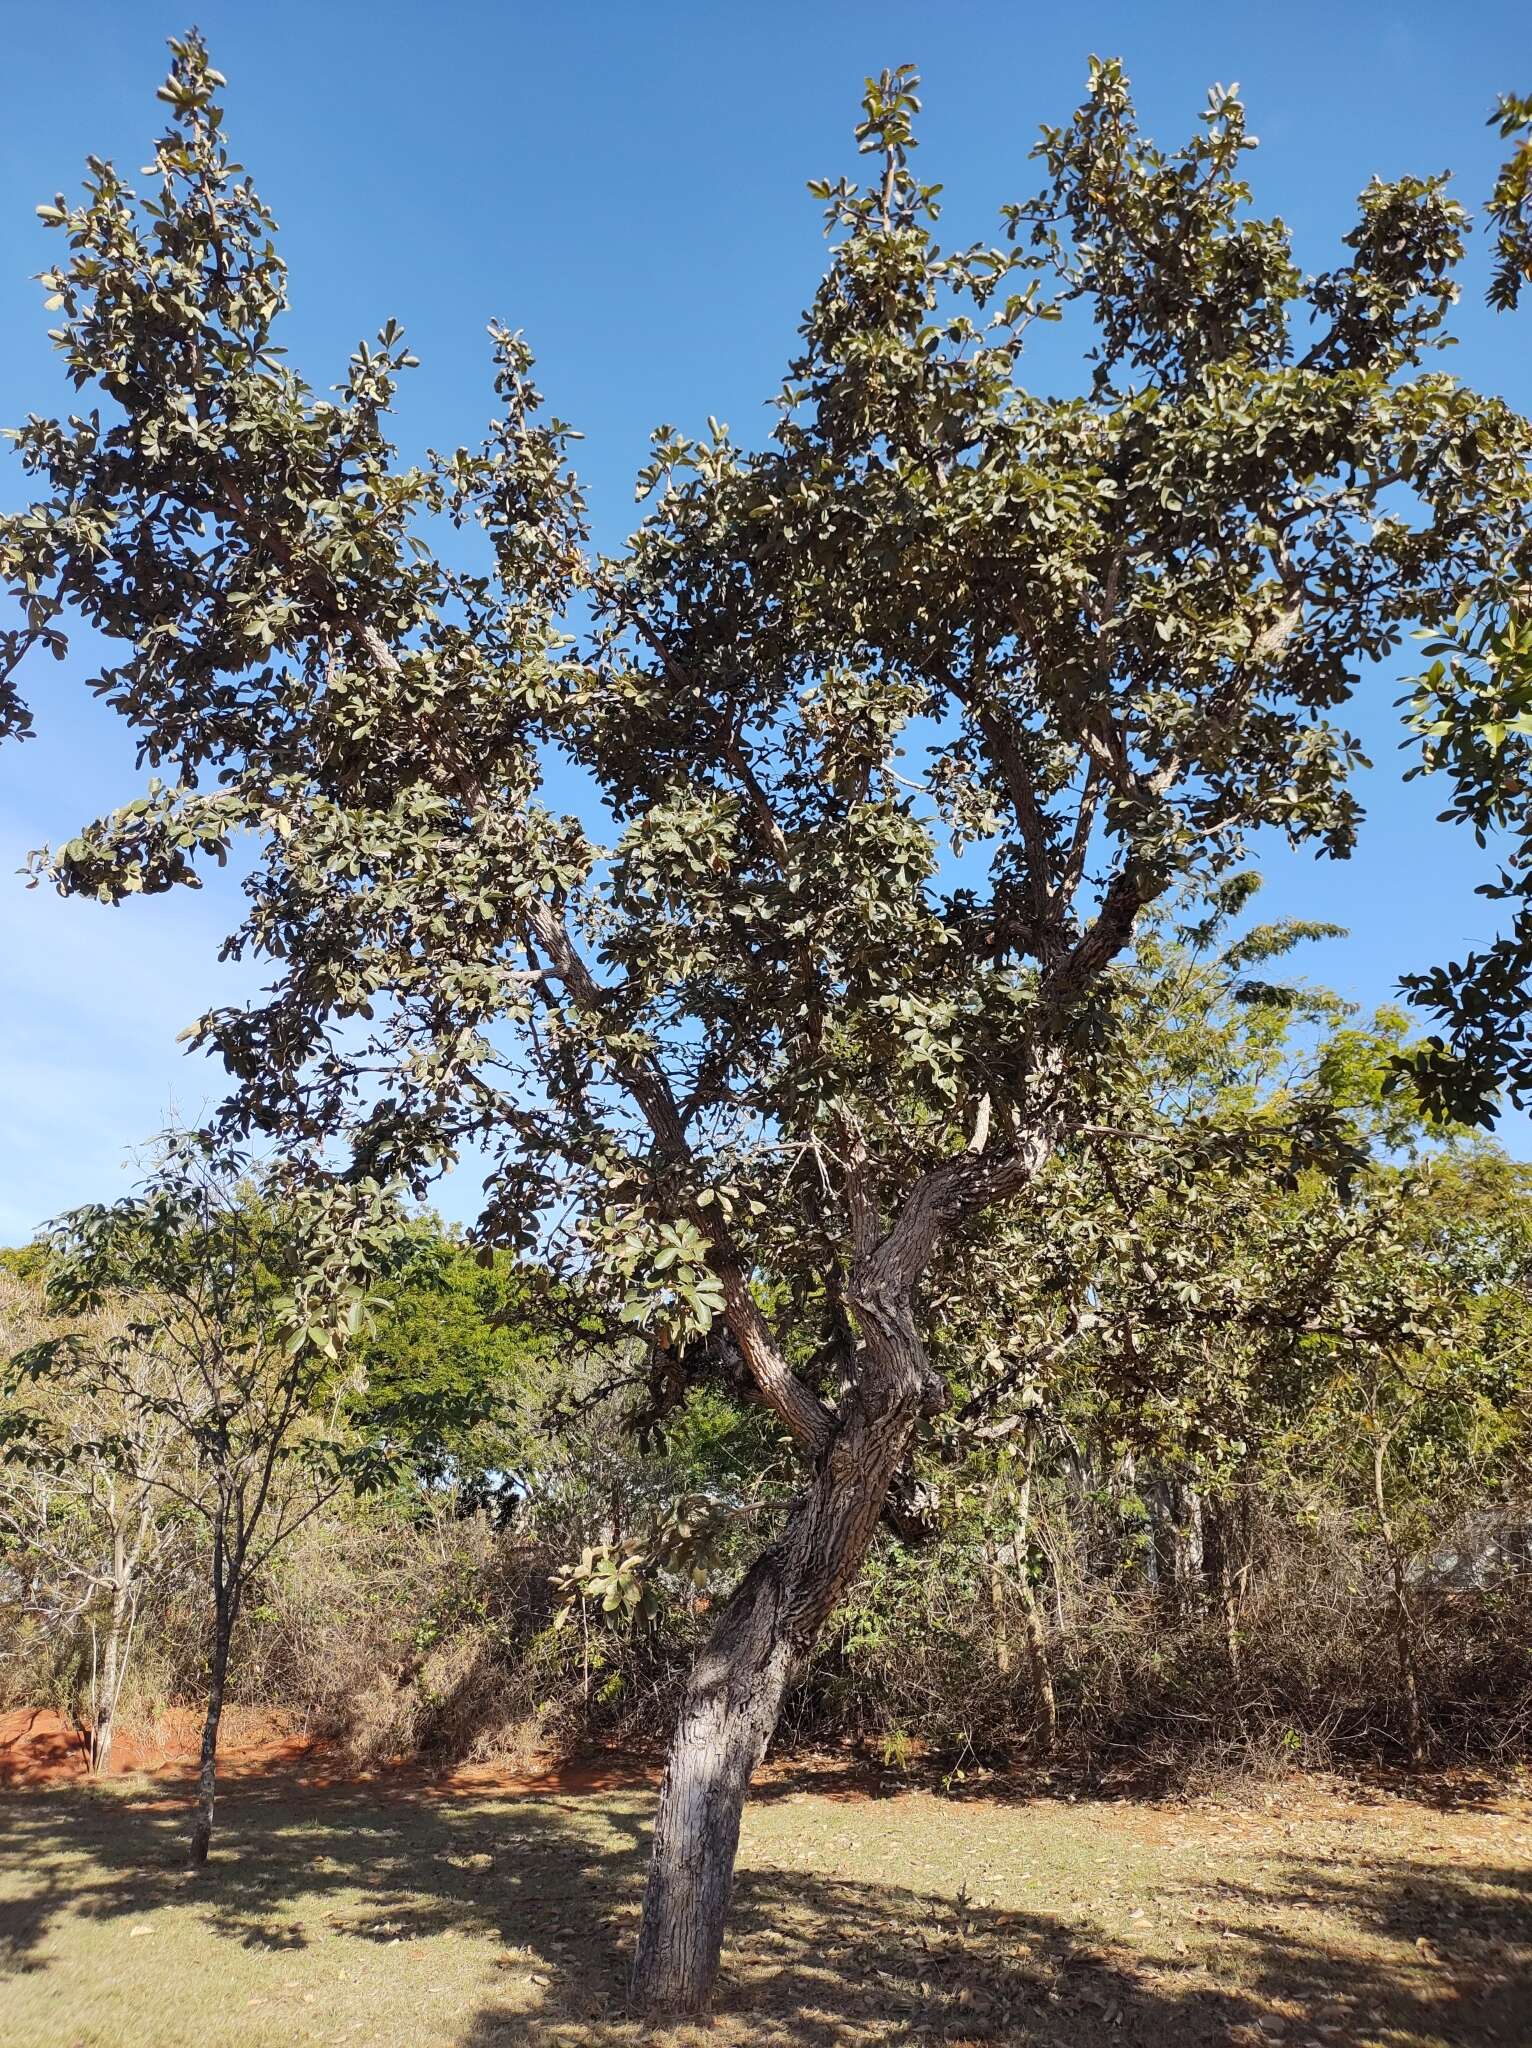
(745, 1046)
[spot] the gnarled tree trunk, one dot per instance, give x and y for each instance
(737, 1685)
(767, 1628)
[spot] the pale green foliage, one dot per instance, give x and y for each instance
(1445, 1396)
(211, 1311)
(1510, 204)
(1472, 713)
(624, 1578)
(1180, 1287)
(1471, 710)
(1092, 643)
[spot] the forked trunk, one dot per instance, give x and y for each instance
(207, 1770)
(735, 1694)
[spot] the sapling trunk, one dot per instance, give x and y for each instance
(1400, 1615)
(1404, 1649)
(1033, 1632)
(1224, 1581)
(114, 1658)
(1001, 1644)
(207, 1768)
(1176, 1521)
(995, 1577)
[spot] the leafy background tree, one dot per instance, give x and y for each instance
(1510, 203)
(458, 1368)
(211, 1309)
(1470, 713)
(86, 1515)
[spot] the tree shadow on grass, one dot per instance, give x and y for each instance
(1416, 1949)
(424, 1864)
(1326, 1946)
(1322, 1953)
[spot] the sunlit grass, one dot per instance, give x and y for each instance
(407, 1920)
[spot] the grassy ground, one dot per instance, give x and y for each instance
(399, 1919)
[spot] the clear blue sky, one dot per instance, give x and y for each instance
(626, 183)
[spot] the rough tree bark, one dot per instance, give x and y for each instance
(1176, 1520)
(736, 1688)
(768, 1627)
(735, 1694)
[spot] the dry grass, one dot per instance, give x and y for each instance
(400, 1919)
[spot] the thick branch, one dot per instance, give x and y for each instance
(801, 1413)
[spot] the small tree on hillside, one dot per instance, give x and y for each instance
(747, 1058)
(240, 1292)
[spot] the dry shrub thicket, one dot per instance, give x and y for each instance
(437, 1639)
(1106, 1612)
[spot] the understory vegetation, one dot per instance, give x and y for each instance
(432, 1636)
(434, 1639)
(1334, 1572)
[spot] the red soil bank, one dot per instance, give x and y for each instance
(39, 1748)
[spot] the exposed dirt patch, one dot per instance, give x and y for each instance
(39, 1747)
(39, 1750)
